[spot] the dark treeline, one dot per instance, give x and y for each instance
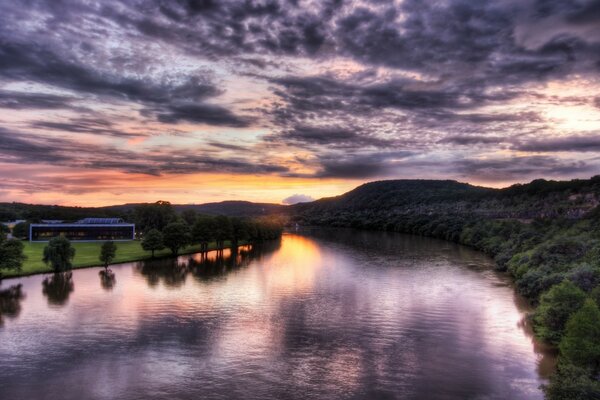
(37, 212)
(160, 226)
(546, 235)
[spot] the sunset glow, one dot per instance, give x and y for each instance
(200, 101)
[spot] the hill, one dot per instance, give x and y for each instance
(34, 212)
(379, 203)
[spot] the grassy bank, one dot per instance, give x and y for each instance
(86, 255)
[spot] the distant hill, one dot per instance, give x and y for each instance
(234, 208)
(231, 208)
(380, 203)
(12, 211)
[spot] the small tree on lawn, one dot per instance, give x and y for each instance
(59, 253)
(108, 252)
(11, 254)
(153, 240)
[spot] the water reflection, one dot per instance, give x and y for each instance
(58, 287)
(108, 280)
(213, 265)
(10, 302)
(330, 314)
(170, 271)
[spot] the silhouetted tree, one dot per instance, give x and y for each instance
(153, 240)
(21, 230)
(222, 230)
(203, 232)
(59, 253)
(176, 235)
(189, 216)
(239, 231)
(154, 215)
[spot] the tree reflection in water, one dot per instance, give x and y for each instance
(10, 302)
(58, 287)
(108, 280)
(168, 270)
(202, 266)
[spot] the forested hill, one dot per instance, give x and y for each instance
(380, 202)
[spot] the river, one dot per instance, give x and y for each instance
(321, 314)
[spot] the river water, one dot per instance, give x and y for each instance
(321, 314)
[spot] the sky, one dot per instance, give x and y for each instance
(194, 101)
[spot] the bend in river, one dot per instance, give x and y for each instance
(320, 314)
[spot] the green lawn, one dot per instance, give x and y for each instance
(86, 255)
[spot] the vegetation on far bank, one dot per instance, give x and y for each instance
(161, 232)
(546, 235)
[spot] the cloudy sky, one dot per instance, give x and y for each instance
(110, 102)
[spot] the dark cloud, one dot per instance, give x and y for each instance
(473, 140)
(96, 126)
(330, 135)
(423, 76)
(30, 63)
(360, 166)
(519, 168)
(22, 100)
(201, 113)
(584, 143)
(20, 148)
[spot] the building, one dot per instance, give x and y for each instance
(85, 230)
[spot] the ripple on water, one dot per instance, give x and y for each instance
(347, 315)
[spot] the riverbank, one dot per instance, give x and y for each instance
(86, 256)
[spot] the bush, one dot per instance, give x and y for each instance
(555, 309)
(581, 342)
(572, 383)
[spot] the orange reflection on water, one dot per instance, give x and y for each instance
(294, 266)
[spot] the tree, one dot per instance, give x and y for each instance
(153, 240)
(153, 215)
(572, 383)
(59, 253)
(107, 253)
(189, 216)
(556, 307)
(4, 230)
(595, 295)
(222, 230)
(202, 232)
(11, 254)
(239, 231)
(21, 230)
(581, 342)
(176, 235)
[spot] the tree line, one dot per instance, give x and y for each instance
(158, 227)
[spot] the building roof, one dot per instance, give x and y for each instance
(100, 221)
